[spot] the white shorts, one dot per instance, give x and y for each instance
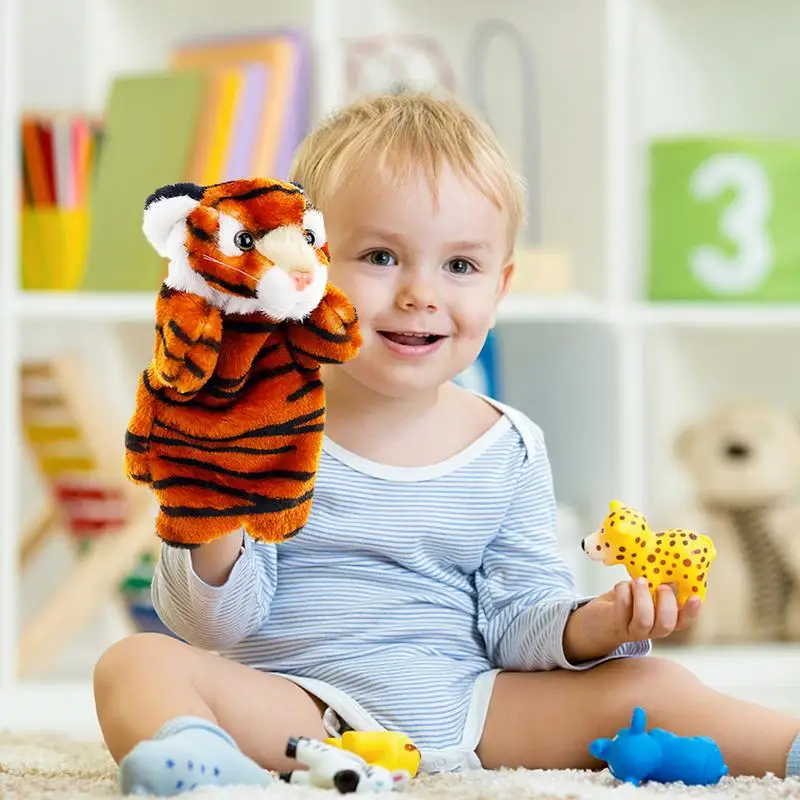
(344, 713)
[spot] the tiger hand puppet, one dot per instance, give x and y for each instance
(229, 414)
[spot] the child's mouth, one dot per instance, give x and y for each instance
(408, 343)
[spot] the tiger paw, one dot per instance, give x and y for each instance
(335, 302)
(189, 331)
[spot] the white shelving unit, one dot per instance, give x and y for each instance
(610, 377)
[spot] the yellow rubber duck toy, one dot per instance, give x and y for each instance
(387, 749)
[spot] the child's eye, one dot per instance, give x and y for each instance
(381, 258)
(460, 266)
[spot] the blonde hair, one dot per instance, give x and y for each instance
(406, 131)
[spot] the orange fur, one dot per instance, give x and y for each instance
(230, 413)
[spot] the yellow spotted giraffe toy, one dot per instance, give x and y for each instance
(676, 556)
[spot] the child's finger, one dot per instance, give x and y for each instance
(643, 616)
(666, 613)
(689, 613)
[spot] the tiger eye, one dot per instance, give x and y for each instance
(244, 240)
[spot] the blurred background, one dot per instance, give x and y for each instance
(651, 333)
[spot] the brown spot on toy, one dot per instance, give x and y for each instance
(651, 558)
(687, 562)
(656, 570)
(669, 572)
(620, 558)
(692, 536)
(694, 589)
(622, 549)
(701, 576)
(638, 539)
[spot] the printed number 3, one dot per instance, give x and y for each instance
(743, 222)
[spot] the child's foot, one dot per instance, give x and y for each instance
(186, 753)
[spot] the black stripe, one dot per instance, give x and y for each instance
(255, 451)
(257, 475)
(229, 383)
(193, 368)
(166, 291)
(145, 478)
(180, 333)
(238, 289)
(260, 505)
(275, 429)
(259, 376)
(135, 443)
(295, 352)
(211, 344)
(248, 326)
(328, 336)
(315, 357)
(310, 429)
(257, 192)
(167, 352)
(304, 390)
(199, 233)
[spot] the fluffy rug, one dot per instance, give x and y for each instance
(47, 766)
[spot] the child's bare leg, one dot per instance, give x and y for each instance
(145, 681)
(548, 719)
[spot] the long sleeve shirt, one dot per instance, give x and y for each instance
(405, 585)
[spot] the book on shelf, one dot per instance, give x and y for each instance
(226, 107)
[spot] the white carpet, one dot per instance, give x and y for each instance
(50, 766)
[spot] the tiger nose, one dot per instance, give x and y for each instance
(301, 279)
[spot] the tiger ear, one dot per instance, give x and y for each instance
(165, 208)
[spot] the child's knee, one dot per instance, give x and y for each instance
(648, 679)
(133, 654)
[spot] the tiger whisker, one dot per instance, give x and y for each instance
(223, 264)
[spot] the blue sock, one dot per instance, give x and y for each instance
(185, 753)
(793, 760)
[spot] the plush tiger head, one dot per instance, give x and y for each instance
(622, 529)
(248, 246)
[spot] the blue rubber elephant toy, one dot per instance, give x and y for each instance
(636, 755)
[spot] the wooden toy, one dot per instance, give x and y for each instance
(677, 556)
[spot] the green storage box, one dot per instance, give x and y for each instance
(724, 220)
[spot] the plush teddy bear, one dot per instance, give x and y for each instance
(744, 462)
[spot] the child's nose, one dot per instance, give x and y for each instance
(418, 294)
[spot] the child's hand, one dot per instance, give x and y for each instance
(623, 614)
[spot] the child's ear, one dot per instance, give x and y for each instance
(505, 284)
(505, 279)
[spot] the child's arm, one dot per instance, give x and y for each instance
(210, 616)
(526, 592)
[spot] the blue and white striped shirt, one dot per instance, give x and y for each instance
(405, 585)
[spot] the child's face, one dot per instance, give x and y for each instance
(411, 267)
